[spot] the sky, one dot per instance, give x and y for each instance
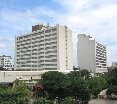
(97, 18)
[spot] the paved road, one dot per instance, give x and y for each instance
(102, 101)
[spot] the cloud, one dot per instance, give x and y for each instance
(22, 21)
(2, 45)
(97, 18)
(7, 46)
(6, 42)
(112, 52)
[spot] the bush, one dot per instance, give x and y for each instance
(42, 101)
(68, 101)
(112, 89)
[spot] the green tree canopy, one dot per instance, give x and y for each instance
(77, 87)
(19, 94)
(112, 82)
(54, 83)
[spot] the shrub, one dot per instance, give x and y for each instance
(42, 101)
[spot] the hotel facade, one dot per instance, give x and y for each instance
(45, 48)
(91, 54)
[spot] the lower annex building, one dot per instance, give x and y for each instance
(91, 54)
(45, 48)
(114, 65)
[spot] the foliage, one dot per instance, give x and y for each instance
(77, 87)
(85, 73)
(60, 85)
(54, 84)
(38, 91)
(68, 100)
(42, 101)
(18, 95)
(20, 86)
(11, 96)
(112, 89)
(112, 77)
(97, 84)
(112, 82)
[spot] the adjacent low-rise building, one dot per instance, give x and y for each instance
(114, 64)
(91, 54)
(6, 62)
(30, 77)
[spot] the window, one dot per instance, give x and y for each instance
(40, 57)
(34, 61)
(34, 53)
(34, 57)
(47, 31)
(50, 64)
(34, 65)
(53, 30)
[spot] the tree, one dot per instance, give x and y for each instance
(19, 94)
(112, 77)
(53, 83)
(20, 86)
(97, 84)
(77, 87)
(85, 73)
(112, 82)
(72, 85)
(112, 90)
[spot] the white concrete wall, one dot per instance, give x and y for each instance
(10, 76)
(61, 47)
(64, 48)
(86, 53)
(90, 53)
(69, 50)
(92, 58)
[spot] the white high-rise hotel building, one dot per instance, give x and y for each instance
(45, 48)
(91, 54)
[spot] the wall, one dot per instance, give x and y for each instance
(10, 76)
(86, 53)
(61, 48)
(69, 50)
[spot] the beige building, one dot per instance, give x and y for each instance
(91, 54)
(45, 48)
(30, 77)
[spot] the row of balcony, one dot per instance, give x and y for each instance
(39, 35)
(41, 43)
(41, 65)
(35, 53)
